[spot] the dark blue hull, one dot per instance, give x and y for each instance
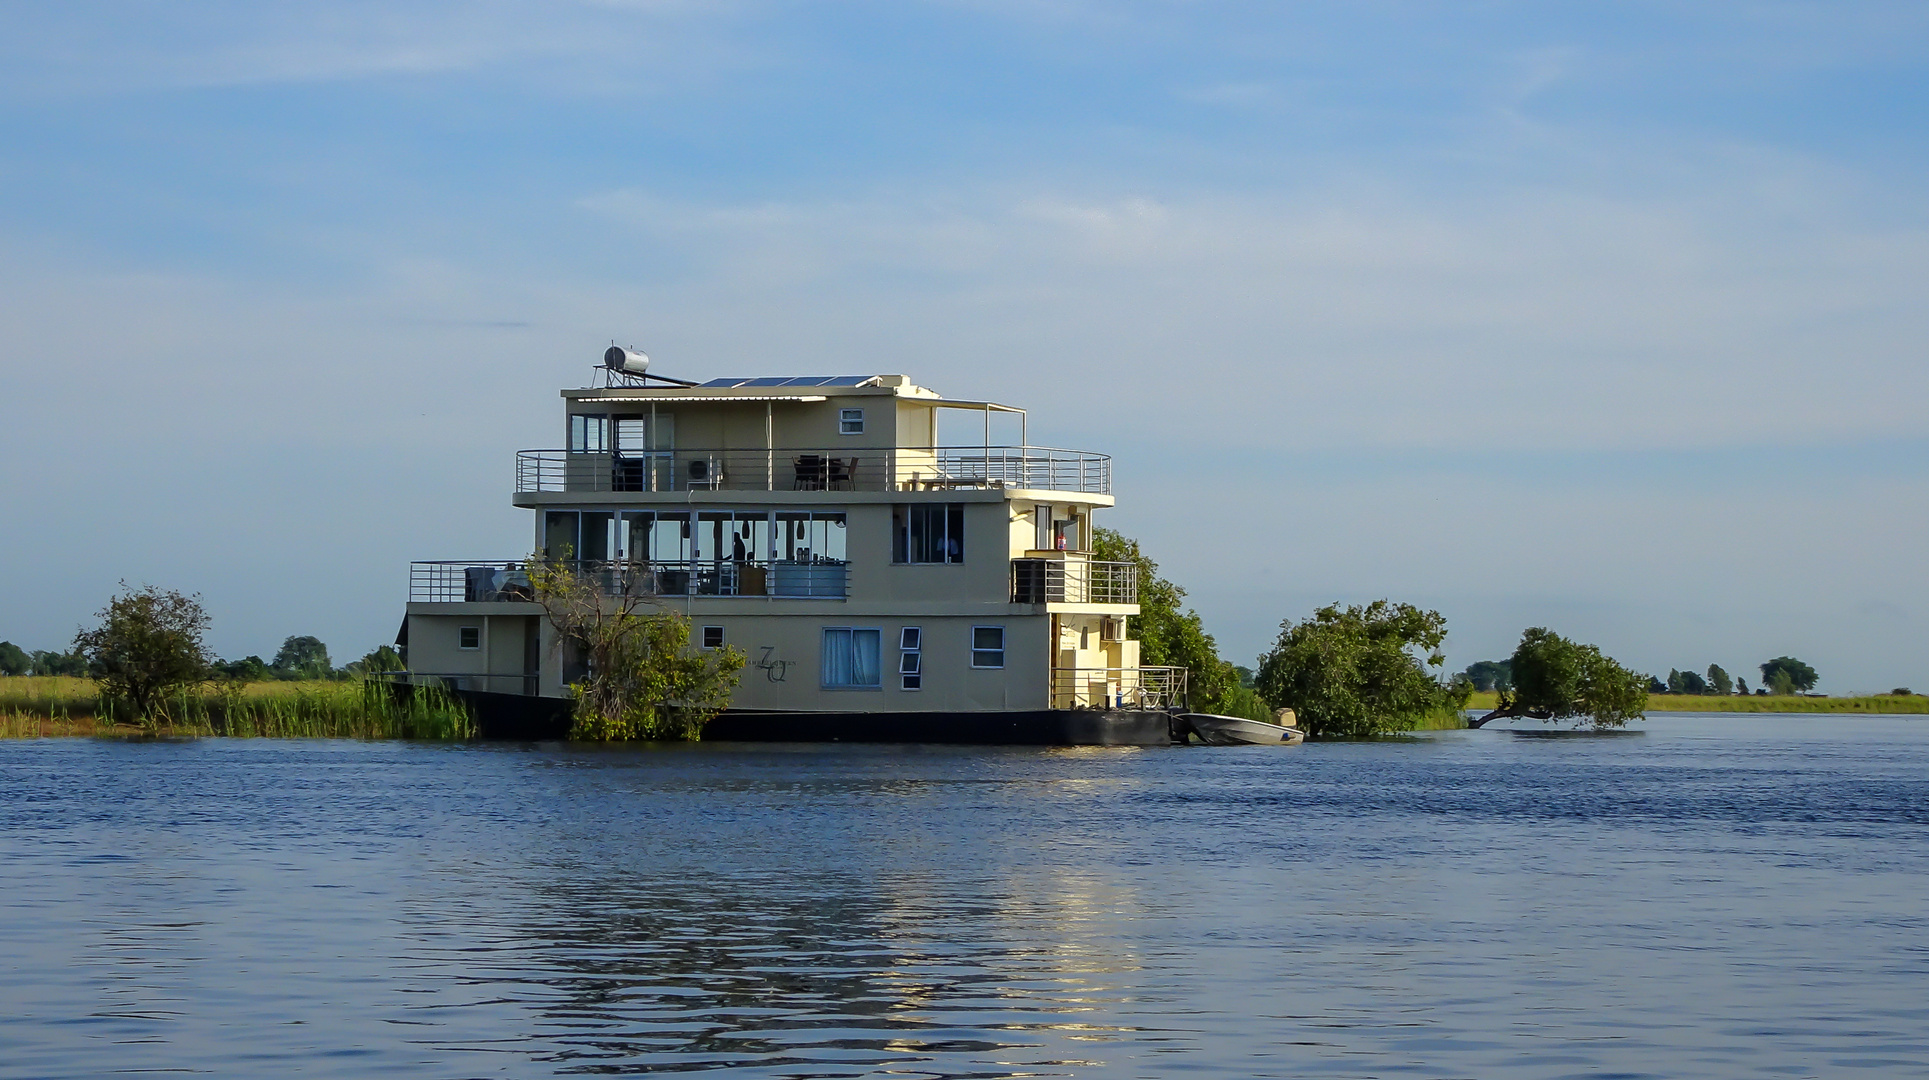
(517, 718)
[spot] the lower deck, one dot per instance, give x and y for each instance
(851, 660)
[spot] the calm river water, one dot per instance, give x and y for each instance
(1719, 897)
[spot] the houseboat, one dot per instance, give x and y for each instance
(881, 585)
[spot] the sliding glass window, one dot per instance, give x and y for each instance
(928, 533)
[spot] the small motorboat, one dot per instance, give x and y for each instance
(1215, 730)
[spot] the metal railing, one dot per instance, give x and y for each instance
(525, 685)
(844, 468)
(1154, 688)
(1073, 580)
(455, 581)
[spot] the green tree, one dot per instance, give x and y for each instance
(14, 660)
(147, 644)
(643, 680)
(1361, 671)
(1719, 679)
(58, 663)
(1558, 679)
(248, 669)
(1170, 634)
(1685, 682)
(379, 659)
(1488, 675)
(1786, 675)
(302, 658)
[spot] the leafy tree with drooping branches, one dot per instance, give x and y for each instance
(1558, 679)
(642, 680)
(147, 645)
(1787, 675)
(1361, 671)
(1488, 675)
(302, 657)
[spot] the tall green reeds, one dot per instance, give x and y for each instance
(320, 710)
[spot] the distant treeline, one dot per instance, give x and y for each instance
(1781, 676)
(300, 658)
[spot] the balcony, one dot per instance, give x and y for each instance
(1153, 688)
(457, 581)
(1073, 579)
(844, 468)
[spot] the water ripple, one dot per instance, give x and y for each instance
(1716, 898)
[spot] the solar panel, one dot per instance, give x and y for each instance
(794, 380)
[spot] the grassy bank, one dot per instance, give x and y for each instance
(1443, 720)
(36, 707)
(1736, 703)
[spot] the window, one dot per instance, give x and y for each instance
(850, 421)
(1060, 534)
(810, 538)
(851, 658)
(911, 658)
(987, 646)
(470, 637)
(588, 434)
(928, 533)
(713, 637)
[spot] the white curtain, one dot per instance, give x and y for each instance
(852, 656)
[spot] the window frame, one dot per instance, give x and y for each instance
(976, 650)
(848, 417)
(950, 520)
(703, 638)
(911, 658)
(823, 675)
(580, 427)
(462, 634)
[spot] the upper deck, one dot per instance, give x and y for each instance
(860, 434)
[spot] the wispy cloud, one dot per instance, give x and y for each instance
(94, 48)
(1520, 309)
(1382, 317)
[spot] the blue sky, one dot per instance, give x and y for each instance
(1605, 317)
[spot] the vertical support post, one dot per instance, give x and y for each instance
(649, 443)
(770, 452)
(1024, 450)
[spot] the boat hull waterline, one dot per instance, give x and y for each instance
(1215, 730)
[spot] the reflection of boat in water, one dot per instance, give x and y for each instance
(1215, 730)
